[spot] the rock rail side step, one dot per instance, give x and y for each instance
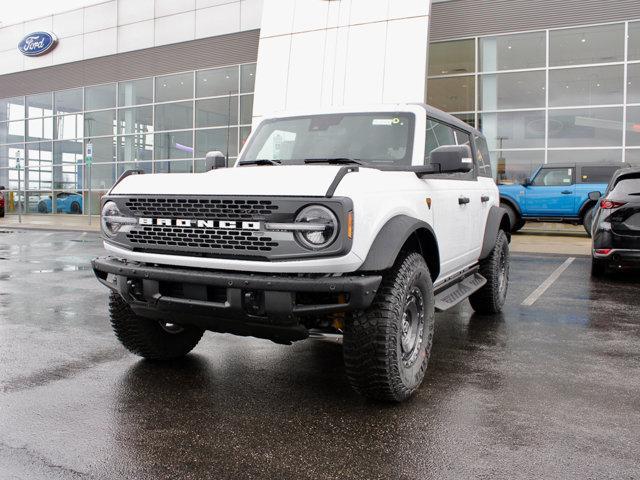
(458, 292)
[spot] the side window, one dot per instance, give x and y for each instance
(596, 173)
(463, 138)
(438, 134)
(554, 177)
(484, 160)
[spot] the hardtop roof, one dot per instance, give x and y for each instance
(448, 118)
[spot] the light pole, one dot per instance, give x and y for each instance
(19, 187)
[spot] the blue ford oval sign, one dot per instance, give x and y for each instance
(37, 43)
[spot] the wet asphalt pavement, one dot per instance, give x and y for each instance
(550, 390)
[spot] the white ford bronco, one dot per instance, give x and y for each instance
(350, 223)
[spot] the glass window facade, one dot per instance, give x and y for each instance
(512, 52)
(544, 97)
(157, 124)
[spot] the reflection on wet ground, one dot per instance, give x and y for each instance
(547, 391)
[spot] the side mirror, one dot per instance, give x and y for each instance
(453, 158)
(527, 182)
(595, 196)
(215, 160)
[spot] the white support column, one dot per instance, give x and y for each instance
(316, 53)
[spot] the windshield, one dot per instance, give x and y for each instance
(375, 138)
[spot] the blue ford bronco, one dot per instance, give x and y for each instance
(556, 193)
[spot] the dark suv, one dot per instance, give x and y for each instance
(616, 224)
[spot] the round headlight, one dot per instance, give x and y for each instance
(323, 227)
(110, 211)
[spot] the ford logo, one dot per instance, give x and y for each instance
(37, 43)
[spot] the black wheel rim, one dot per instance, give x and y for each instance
(413, 320)
(171, 327)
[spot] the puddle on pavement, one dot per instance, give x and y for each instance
(64, 268)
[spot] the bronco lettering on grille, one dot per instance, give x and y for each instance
(213, 224)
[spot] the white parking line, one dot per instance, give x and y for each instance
(538, 292)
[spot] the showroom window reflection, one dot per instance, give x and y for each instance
(157, 124)
(549, 96)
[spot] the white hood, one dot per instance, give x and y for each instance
(294, 180)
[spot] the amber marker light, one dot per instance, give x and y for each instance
(350, 225)
(429, 202)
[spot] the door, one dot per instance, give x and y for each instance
(488, 194)
(451, 198)
(552, 193)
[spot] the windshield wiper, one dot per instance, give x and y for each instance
(261, 161)
(334, 161)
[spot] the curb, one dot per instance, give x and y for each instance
(49, 229)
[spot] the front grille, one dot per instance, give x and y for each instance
(199, 238)
(221, 226)
(208, 208)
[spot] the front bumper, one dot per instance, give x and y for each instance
(261, 305)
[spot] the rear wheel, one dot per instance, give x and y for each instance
(587, 221)
(598, 267)
(75, 208)
(42, 207)
(387, 347)
(495, 268)
(515, 220)
(148, 338)
(2, 212)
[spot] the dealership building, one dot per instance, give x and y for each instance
(156, 84)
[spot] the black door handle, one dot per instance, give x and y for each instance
(485, 198)
(566, 192)
(463, 200)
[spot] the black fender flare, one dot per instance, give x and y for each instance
(393, 236)
(586, 206)
(512, 203)
(498, 219)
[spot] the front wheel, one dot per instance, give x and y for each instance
(148, 338)
(387, 347)
(515, 221)
(495, 268)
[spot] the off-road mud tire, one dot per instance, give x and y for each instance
(515, 220)
(148, 338)
(495, 268)
(373, 348)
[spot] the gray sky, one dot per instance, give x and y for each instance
(14, 11)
